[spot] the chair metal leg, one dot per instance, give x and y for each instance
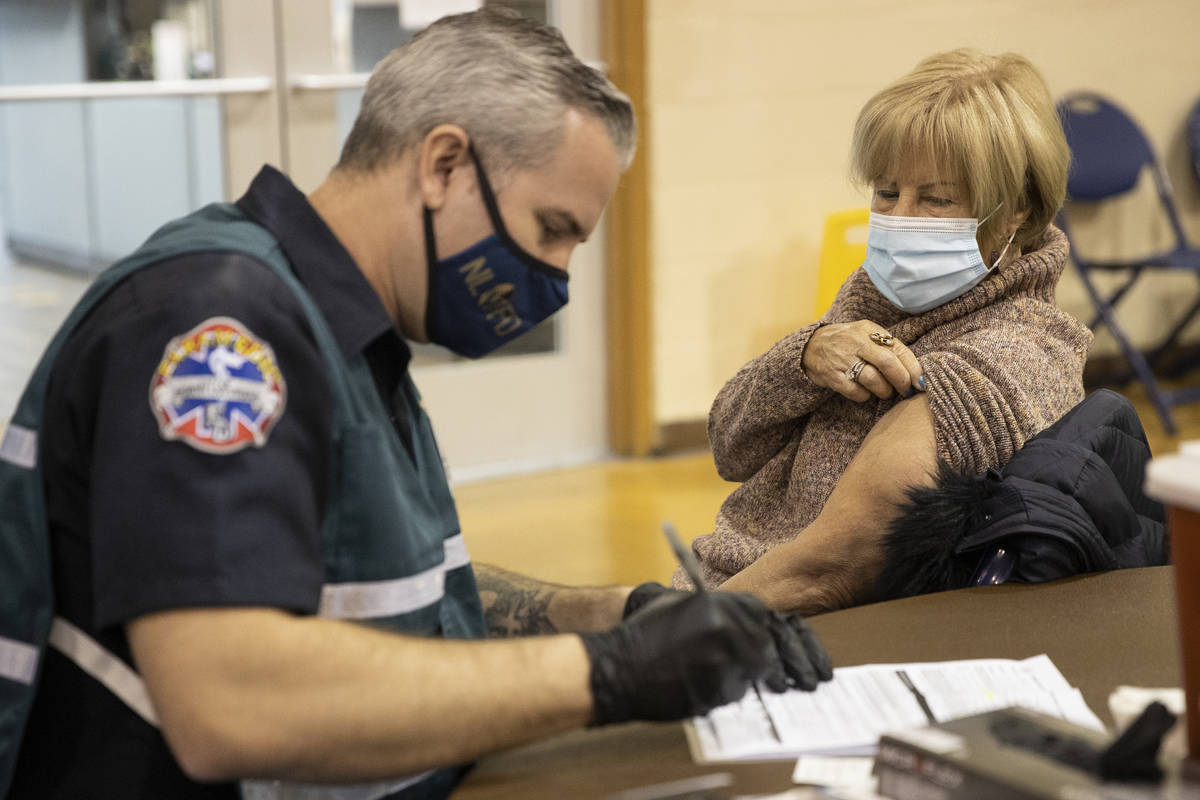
(1136, 360)
(1116, 296)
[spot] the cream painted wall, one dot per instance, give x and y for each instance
(751, 107)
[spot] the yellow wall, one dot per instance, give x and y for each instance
(751, 106)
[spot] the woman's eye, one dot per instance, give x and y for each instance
(886, 194)
(939, 201)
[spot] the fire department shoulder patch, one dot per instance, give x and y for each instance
(218, 388)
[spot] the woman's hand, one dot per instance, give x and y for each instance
(861, 360)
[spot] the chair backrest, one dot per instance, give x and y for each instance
(843, 250)
(1109, 152)
(1108, 149)
(1193, 138)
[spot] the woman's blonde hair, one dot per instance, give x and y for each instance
(986, 122)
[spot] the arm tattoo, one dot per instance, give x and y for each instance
(514, 605)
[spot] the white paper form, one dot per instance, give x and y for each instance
(849, 772)
(847, 715)
(850, 712)
(740, 730)
(973, 687)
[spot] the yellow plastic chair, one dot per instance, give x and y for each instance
(843, 249)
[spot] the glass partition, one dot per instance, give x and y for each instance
(85, 179)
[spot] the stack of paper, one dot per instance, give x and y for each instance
(847, 715)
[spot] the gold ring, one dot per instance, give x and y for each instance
(884, 339)
(854, 370)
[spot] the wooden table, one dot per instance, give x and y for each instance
(1101, 630)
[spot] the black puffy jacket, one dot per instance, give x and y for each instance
(1069, 501)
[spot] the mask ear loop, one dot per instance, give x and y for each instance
(990, 214)
(1011, 236)
(493, 209)
(431, 271)
(1000, 257)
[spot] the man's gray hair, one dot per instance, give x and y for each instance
(505, 79)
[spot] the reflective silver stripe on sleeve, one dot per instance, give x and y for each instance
(279, 790)
(383, 598)
(456, 553)
(19, 446)
(370, 599)
(102, 665)
(18, 660)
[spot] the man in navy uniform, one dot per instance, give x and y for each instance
(259, 582)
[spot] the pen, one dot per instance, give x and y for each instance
(687, 559)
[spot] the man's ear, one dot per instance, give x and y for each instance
(444, 149)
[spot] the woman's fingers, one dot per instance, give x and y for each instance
(889, 369)
(874, 382)
(893, 359)
(853, 390)
(911, 365)
(888, 365)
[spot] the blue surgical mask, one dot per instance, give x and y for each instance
(919, 263)
(490, 293)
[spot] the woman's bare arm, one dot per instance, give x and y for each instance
(834, 562)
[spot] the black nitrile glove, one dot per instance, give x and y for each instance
(643, 594)
(682, 655)
(805, 662)
(1133, 756)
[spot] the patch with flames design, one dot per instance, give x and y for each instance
(218, 388)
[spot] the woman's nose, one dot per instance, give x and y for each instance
(906, 205)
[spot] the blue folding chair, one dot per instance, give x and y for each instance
(1109, 154)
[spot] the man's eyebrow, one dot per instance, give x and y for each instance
(561, 222)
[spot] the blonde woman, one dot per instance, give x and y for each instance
(946, 344)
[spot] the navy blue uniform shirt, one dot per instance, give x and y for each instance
(140, 524)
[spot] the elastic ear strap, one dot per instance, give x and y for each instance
(489, 197)
(990, 214)
(431, 272)
(1000, 257)
(493, 209)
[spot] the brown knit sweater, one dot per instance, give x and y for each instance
(1001, 363)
